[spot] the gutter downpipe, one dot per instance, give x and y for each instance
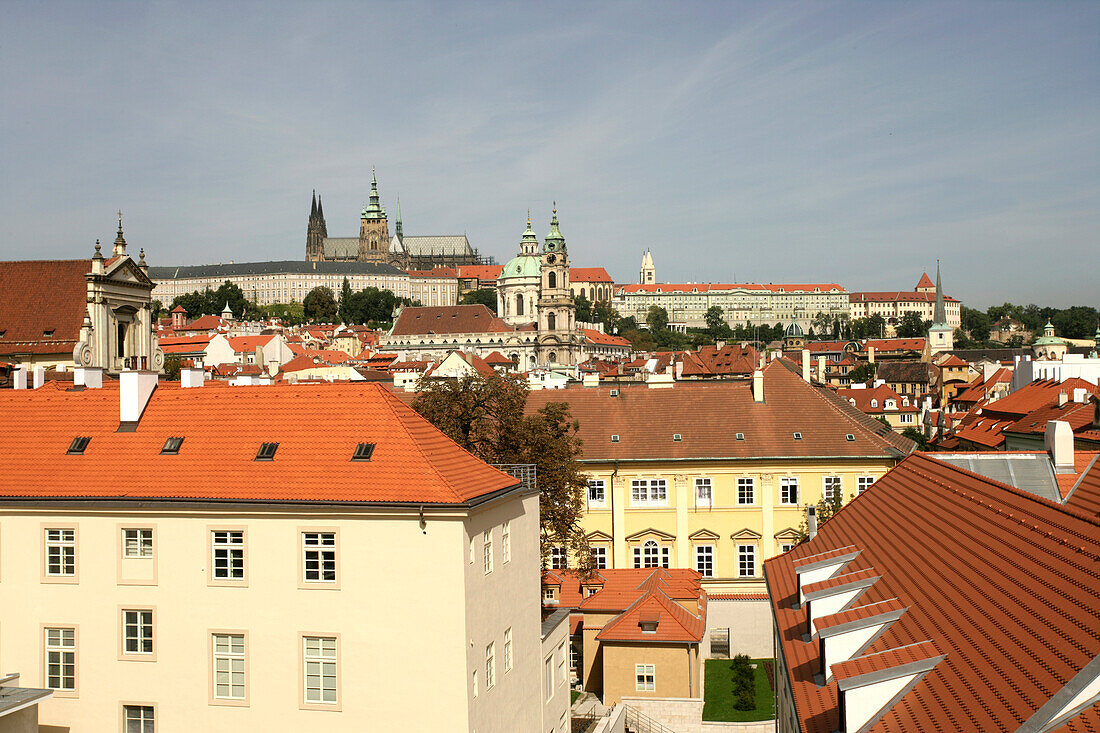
(612, 492)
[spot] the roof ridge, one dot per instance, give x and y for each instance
(817, 390)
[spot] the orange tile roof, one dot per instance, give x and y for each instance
(498, 359)
(1084, 496)
(317, 427)
(37, 296)
(248, 344)
(205, 323)
(595, 337)
(481, 272)
(447, 319)
(862, 399)
(893, 344)
(925, 281)
(953, 361)
(903, 296)
(1008, 596)
(589, 275)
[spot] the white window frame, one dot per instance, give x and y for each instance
(60, 552)
(832, 484)
(487, 545)
(490, 665)
(229, 660)
(704, 492)
(316, 543)
(649, 492)
(599, 556)
(548, 593)
(785, 484)
(143, 623)
(597, 493)
(746, 555)
(59, 643)
(321, 663)
(229, 552)
(137, 542)
(559, 558)
(508, 659)
(704, 560)
(746, 488)
(645, 678)
(143, 715)
(506, 542)
(863, 483)
(651, 550)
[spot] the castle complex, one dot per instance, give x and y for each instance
(375, 244)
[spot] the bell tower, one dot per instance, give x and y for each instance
(556, 310)
(374, 229)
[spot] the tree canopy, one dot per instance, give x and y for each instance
(212, 302)
(656, 318)
(912, 326)
(485, 296)
(319, 305)
(584, 307)
(485, 415)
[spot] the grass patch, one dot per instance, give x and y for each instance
(718, 693)
(573, 695)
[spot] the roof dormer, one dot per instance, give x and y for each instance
(843, 636)
(835, 594)
(815, 568)
(869, 686)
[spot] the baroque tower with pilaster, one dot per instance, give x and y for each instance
(556, 311)
(374, 229)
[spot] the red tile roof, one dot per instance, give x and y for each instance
(895, 295)
(498, 359)
(448, 319)
(589, 275)
(1085, 495)
(317, 427)
(1008, 595)
(888, 345)
(709, 287)
(205, 323)
(602, 339)
(248, 344)
(953, 361)
(39, 296)
(925, 281)
(481, 272)
(862, 399)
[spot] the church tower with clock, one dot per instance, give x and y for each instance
(556, 311)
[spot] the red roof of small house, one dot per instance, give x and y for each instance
(1003, 613)
(42, 305)
(179, 309)
(205, 323)
(448, 319)
(184, 344)
(603, 339)
(481, 272)
(589, 275)
(903, 296)
(248, 344)
(888, 345)
(223, 429)
(498, 359)
(953, 361)
(925, 281)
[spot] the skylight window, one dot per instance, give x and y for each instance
(798, 436)
(739, 436)
(363, 452)
(267, 451)
(677, 437)
(80, 442)
(850, 438)
(614, 438)
(171, 447)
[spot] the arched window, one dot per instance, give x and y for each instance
(553, 357)
(592, 294)
(552, 279)
(519, 304)
(650, 554)
(515, 359)
(551, 320)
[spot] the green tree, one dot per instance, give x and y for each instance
(485, 415)
(976, 323)
(640, 340)
(917, 437)
(583, 306)
(319, 305)
(1075, 322)
(825, 509)
(716, 324)
(230, 293)
(290, 314)
(345, 296)
(485, 296)
(172, 368)
(863, 373)
(912, 326)
(158, 309)
(610, 318)
(194, 303)
(656, 318)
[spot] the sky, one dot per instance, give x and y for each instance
(850, 143)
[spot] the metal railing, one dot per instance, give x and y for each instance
(639, 722)
(525, 472)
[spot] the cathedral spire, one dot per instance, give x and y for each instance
(313, 209)
(374, 208)
(397, 228)
(940, 314)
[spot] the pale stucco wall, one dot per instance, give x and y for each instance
(400, 613)
(676, 670)
(749, 624)
(555, 709)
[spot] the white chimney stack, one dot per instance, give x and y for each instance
(821, 369)
(135, 388)
(88, 377)
(192, 377)
(1063, 398)
(805, 365)
(758, 386)
(1058, 441)
(39, 375)
(19, 377)
(811, 521)
(1079, 395)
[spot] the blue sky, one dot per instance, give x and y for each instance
(806, 142)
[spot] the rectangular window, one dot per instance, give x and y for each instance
(490, 665)
(702, 492)
(548, 677)
(652, 492)
(746, 490)
(704, 560)
(547, 594)
(562, 656)
(651, 555)
(639, 491)
(137, 543)
(599, 555)
(319, 555)
(832, 487)
(138, 719)
(61, 552)
(507, 649)
(658, 493)
(137, 631)
(320, 669)
(61, 659)
(863, 483)
(746, 561)
(487, 543)
(788, 490)
(229, 667)
(506, 542)
(558, 558)
(228, 554)
(596, 495)
(645, 678)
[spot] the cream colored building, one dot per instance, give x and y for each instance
(716, 477)
(267, 573)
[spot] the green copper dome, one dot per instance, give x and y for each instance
(521, 266)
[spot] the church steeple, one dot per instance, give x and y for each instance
(940, 314)
(316, 231)
(529, 245)
(554, 240)
(397, 228)
(120, 241)
(313, 209)
(940, 335)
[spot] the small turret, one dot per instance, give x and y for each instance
(120, 241)
(647, 275)
(97, 260)
(554, 240)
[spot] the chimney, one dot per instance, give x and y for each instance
(1079, 395)
(719, 344)
(260, 357)
(821, 368)
(1063, 398)
(805, 365)
(39, 375)
(811, 521)
(1058, 441)
(870, 354)
(19, 377)
(758, 386)
(135, 388)
(88, 377)
(192, 377)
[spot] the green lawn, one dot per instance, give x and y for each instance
(573, 695)
(718, 694)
